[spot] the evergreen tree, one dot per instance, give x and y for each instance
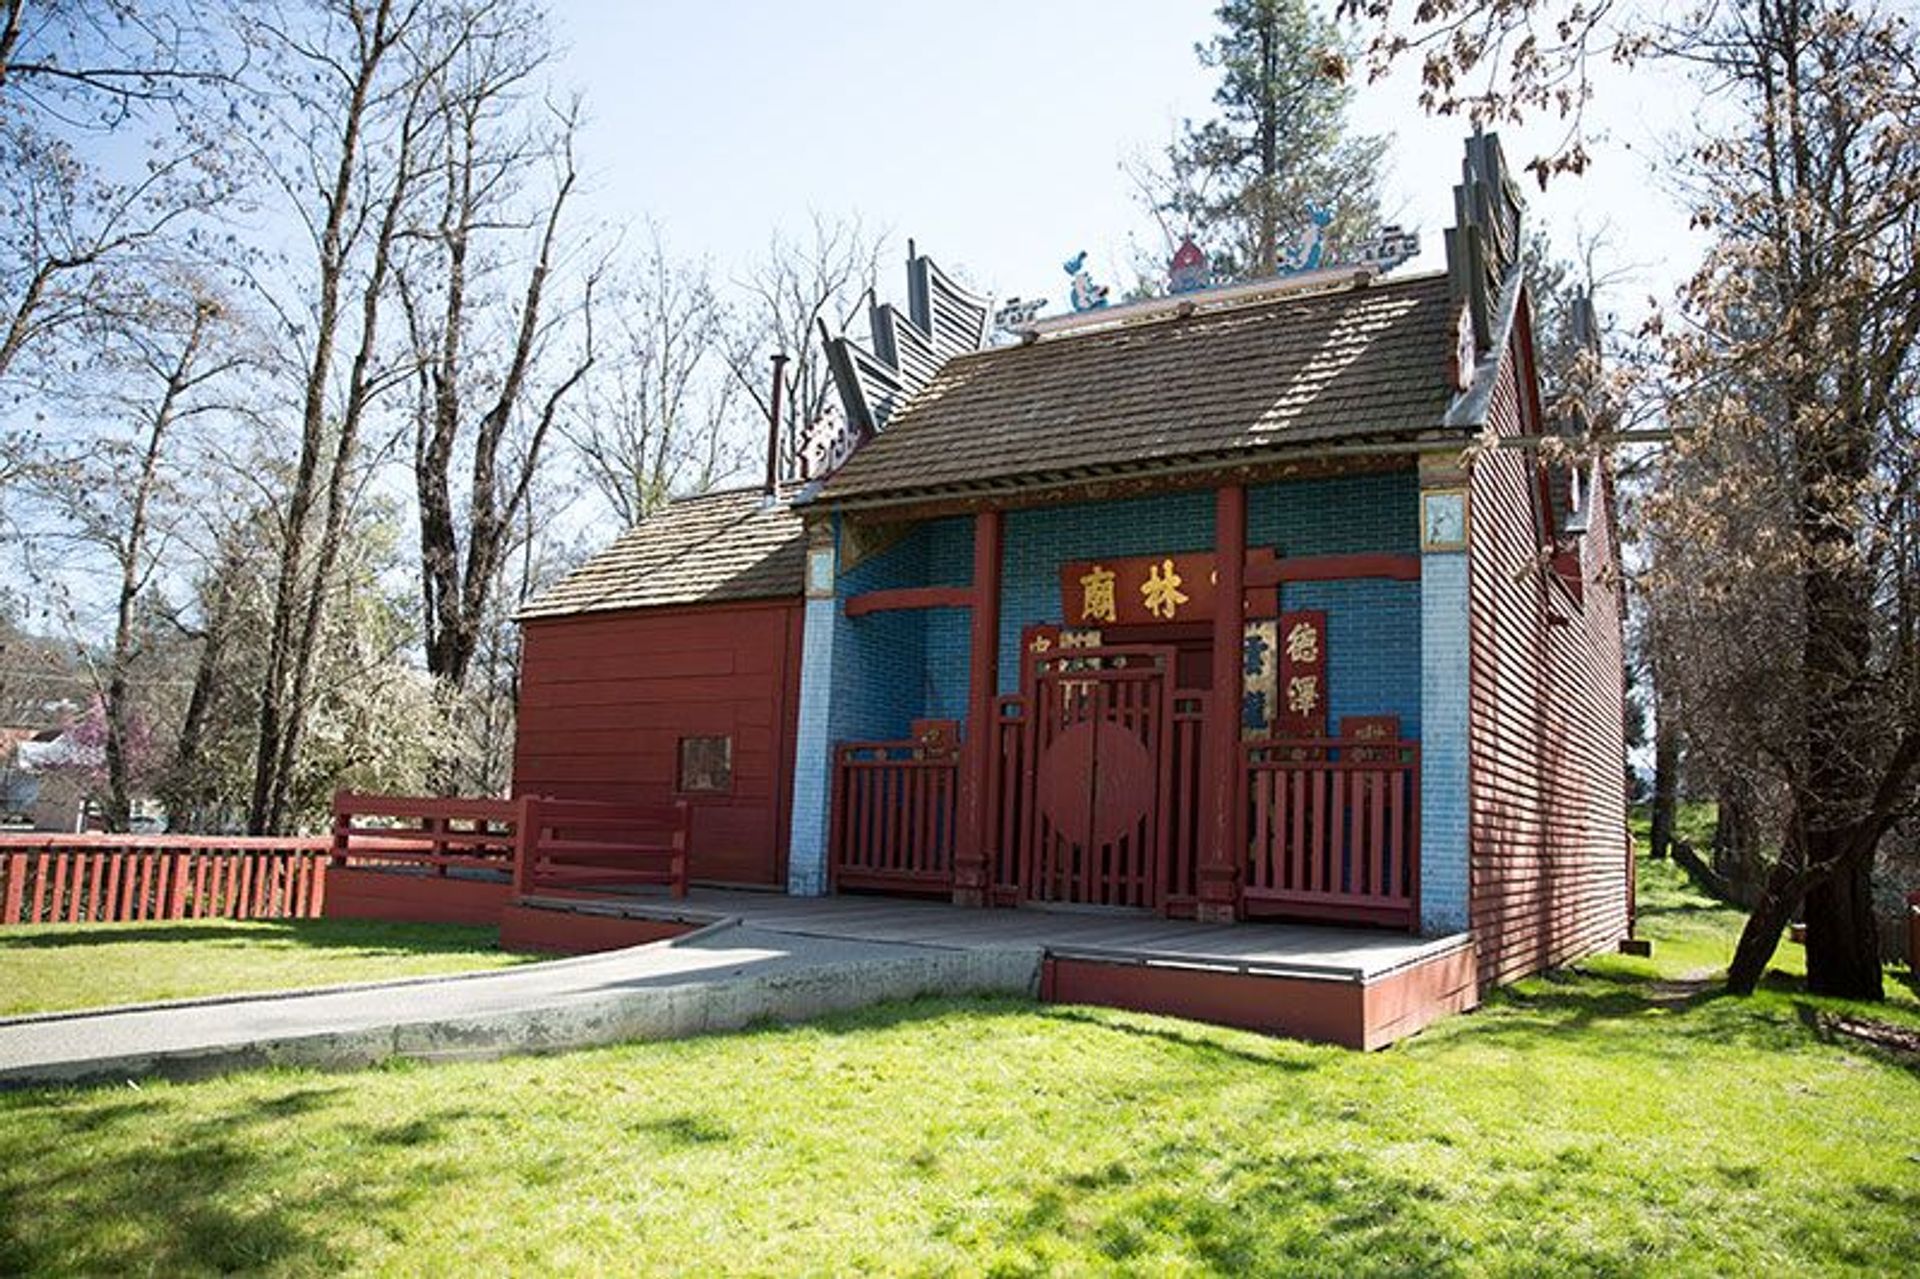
(1241, 183)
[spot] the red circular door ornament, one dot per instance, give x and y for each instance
(1096, 781)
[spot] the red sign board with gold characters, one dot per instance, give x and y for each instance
(1138, 590)
(1302, 686)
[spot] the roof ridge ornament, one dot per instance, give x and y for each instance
(1086, 295)
(942, 320)
(1391, 246)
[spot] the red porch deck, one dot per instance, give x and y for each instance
(1363, 988)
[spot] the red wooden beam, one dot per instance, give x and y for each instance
(906, 597)
(1331, 568)
(1220, 739)
(970, 878)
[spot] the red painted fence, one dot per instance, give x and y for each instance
(1333, 830)
(893, 817)
(101, 879)
(543, 845)
(584, 845)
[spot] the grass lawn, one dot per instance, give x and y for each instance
(1622, 1119)
(53, 967)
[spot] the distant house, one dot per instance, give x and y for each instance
(39, 783)
(1197, 607)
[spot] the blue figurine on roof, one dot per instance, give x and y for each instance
(1087, 296)
(1311, 252)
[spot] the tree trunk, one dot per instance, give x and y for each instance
(1843, 941)
(1761, 935)
(1666, 782)
(1736, 855)
(186, 799)
(279, 729)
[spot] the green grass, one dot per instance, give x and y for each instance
(55, 967)
(1620, 1119)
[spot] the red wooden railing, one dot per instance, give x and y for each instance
(542, 844)
(1333, 829)
(435, 834)
(581, 845)
(100, 879)
(893, 817)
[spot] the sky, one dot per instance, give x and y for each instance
(992, 133)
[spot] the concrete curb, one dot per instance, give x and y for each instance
(699, 1005)
(351, 987)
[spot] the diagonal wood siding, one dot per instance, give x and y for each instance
(1549, 869)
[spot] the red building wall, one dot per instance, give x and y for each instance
(1549, 868)
(606, 697)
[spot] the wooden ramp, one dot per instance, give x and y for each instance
(1358, 987)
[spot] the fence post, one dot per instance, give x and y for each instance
(526, 843)
(342, 826)
(16, 881)
(837, 814)
(682, 833)
(177, 907)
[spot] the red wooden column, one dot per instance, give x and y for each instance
(1220, 854)
(970, 886)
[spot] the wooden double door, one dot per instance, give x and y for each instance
(1103, 812)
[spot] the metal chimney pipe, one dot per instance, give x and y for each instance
(773, 424)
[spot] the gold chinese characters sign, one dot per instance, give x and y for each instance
(1138, 590)
(1301, 638)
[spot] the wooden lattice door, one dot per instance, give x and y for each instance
(1097, 785)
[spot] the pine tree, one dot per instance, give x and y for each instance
(1241, 182)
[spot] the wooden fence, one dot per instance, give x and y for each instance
(102, 879)
(541, 844)
(1333, 829)
(894, 810)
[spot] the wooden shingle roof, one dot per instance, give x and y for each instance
(696, 550)
(1355, 364)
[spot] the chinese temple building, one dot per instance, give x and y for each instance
(1257, 603)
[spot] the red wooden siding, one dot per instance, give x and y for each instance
(606, 697)
(1548, 806)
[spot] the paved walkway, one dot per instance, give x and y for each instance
(1349, 954)
(721, 978)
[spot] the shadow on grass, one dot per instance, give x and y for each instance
(377, 936)
(986, 1011)
(181, 1188)
(203, 1198)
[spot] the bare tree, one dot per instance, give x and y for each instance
(490, 414)
(173, 356)
(1790, 518)
(74, 234)
(823, 278)
(661, 415)
(350, 94)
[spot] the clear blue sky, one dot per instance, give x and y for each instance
(992, 132)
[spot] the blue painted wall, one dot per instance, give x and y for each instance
(1373, 626)
(1038, 542)
(893, 668)
(1447, 670)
